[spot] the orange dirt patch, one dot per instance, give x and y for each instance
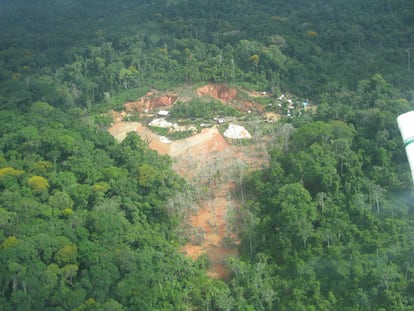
(207, 159)
(154, 141)
(208, 141)
(117, 116)
(151, 101)
(247, 105)
(219, 91)
(211, 221)
(229, 95)
(121, 129)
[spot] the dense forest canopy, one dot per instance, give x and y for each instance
(87, 223)
(301, 46)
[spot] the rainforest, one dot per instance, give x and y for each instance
(205, 155)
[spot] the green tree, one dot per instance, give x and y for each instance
(67, 254)
(38, 184)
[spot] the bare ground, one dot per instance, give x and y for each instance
(208, 161)
(121, 129)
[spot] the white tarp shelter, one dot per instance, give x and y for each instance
(161, 123)
(235, 131)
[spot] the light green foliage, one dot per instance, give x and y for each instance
(41, 166)
(60, 200)
(68, 273)
(101, 187)
(147, 175)
(129, 77)
(38, 184)
(11, 241)
(10, 171)
(51, 275)
(254, 59)
(67, 254)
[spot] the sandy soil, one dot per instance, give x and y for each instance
(119, 131)
(208, 141)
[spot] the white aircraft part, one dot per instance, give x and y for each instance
(406, 126)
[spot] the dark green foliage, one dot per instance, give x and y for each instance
(83, 220)
(307, 49)
(181, 134)
(162, 131)
(206, 110)
(325, 212)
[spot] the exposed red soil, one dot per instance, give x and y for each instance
(247, 106)
(205, 143)
(211, 220)
(219, 91)
(151, 101)
(119, 131)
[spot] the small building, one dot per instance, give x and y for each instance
(163, 113)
